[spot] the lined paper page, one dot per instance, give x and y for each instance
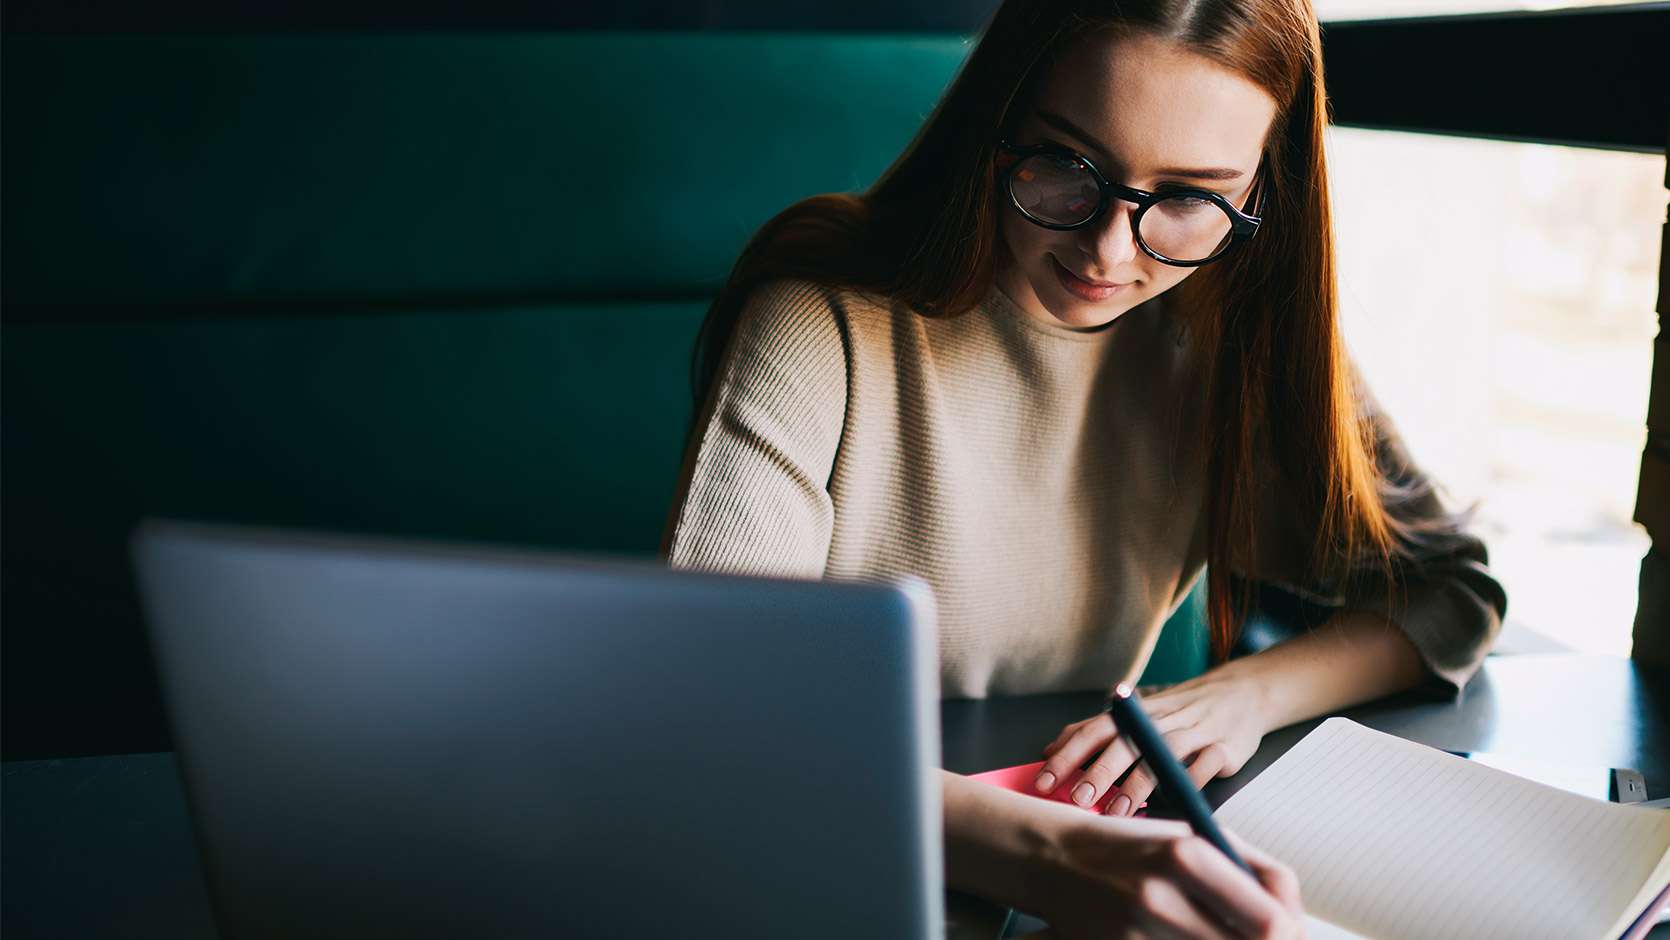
(1318, 929)
(1398, 841)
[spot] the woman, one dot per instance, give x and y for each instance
(1078, 342)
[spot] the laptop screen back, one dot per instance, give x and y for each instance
(383, 739)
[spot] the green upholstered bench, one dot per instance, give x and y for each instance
(429, 285)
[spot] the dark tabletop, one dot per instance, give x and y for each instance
(102, 846)
(1556, 708)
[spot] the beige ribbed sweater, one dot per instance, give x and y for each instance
(1037, 477)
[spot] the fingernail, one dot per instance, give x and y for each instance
(1045, 782)
(1083, 794)
(1121, 806)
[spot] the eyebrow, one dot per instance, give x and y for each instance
(1198, 173)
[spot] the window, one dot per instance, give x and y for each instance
(1499, 298)
(1385, 9)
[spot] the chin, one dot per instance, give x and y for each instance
(1078, 315)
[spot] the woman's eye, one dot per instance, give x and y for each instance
(1188, 202)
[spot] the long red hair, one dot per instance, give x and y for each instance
(926, 235)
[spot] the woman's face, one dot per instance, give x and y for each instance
(1148, 114)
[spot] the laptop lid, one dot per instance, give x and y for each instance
(414, 740)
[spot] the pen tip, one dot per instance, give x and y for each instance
(1123, 690)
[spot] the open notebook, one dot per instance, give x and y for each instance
(1393, 840)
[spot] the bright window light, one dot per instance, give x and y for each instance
(1499, 300)
(1386, 9)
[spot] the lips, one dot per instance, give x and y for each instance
(1088, 291)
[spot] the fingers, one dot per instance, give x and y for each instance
(1117, 758)
(1155, 879)
(1172, 912)
(1278, 879)
(1209, 762)
(1065, 735)
(1202, 748)
(1248, 908)
(1101, 776)
(1139, 786)
(1209, 758)
(1077, 744)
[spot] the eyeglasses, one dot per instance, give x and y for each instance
(1059, 189)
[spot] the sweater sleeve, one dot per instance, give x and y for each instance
(1442, 595)
(754, 494)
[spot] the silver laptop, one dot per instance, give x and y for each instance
(383, 739)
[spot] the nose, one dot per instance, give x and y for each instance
(1111, 240)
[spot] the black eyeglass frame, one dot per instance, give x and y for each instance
(1241, 225)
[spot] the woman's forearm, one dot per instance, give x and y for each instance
(990, 849)
(1356, 657)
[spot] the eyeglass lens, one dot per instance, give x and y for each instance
(1058, 190)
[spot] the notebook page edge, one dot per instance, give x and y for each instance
(1261, 805)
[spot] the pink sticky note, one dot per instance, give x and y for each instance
(1019, 779)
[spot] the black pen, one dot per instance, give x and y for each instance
(1133, 723)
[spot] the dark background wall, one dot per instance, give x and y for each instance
(195, 15)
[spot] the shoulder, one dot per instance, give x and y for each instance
(809, 305)
(789, 349)
(806, 322)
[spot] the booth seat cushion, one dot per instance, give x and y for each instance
(148, 172)
(546, 425)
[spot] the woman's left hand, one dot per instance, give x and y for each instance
(1212, 724)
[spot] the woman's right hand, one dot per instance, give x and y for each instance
(1155, 878)
(1100, 876)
